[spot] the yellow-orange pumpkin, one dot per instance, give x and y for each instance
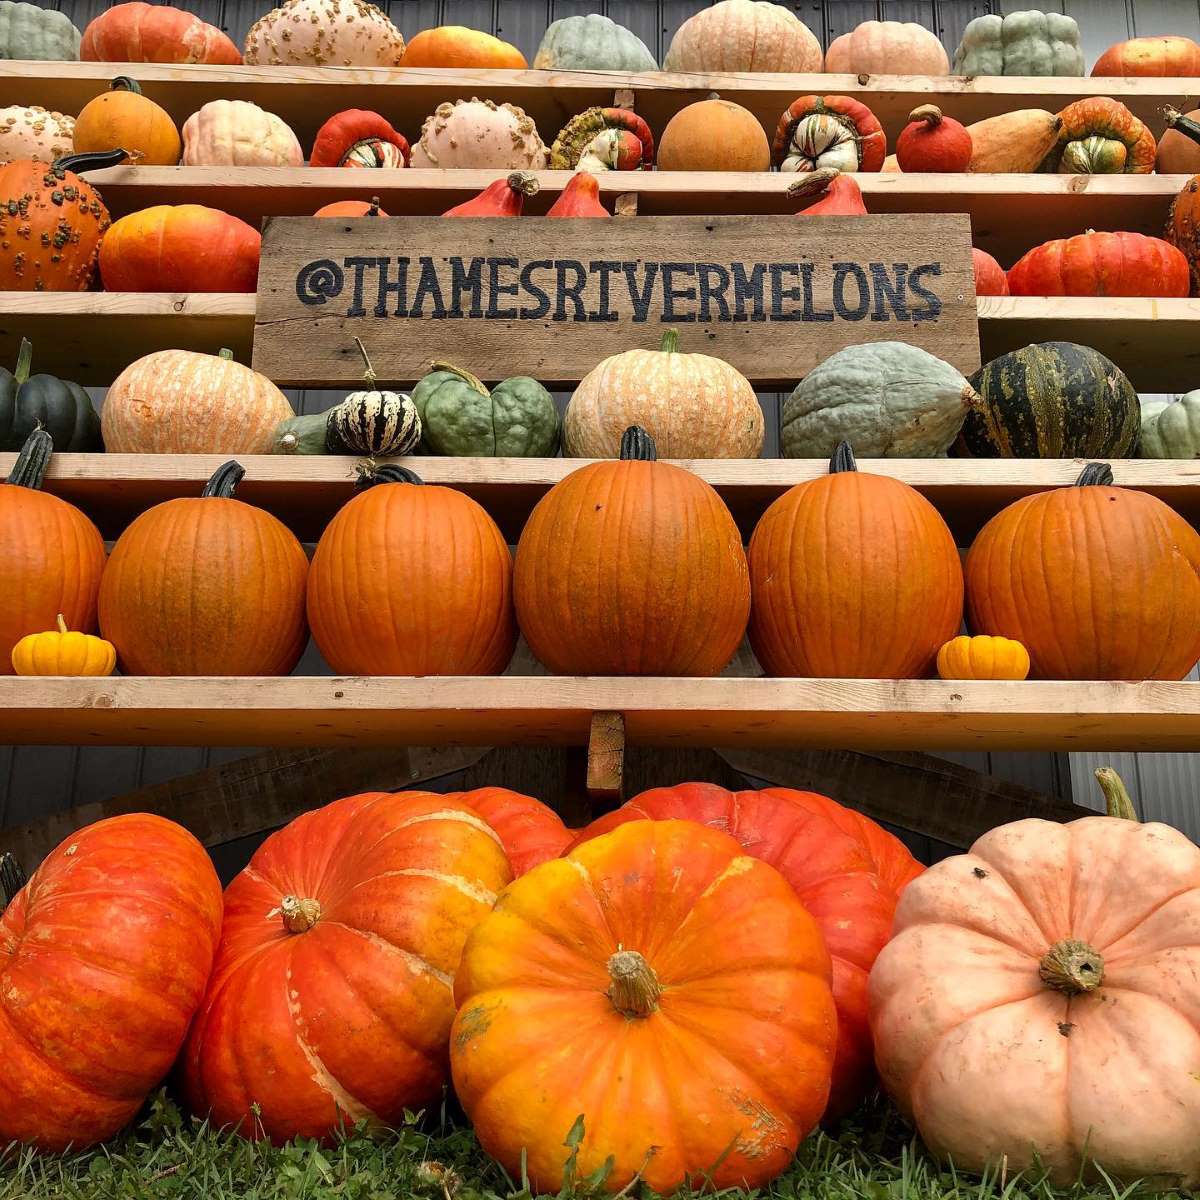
(456, 46)
(122, 118)
(714, 135)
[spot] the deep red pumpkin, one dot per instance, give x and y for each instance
(933, 143)
(1102, 264)
(840, 194)
(847, 871)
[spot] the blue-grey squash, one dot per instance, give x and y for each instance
(1171, 430)
(30, 32)
(592, 43)
(1021, 43)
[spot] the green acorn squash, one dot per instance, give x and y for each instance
(64, 410)
(1171, 430)
(886, 399)
(1051, 400)
(592, 43)
(462, 418)
(1022, 43)
(30, 32)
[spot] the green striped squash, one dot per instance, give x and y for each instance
(1051, 400)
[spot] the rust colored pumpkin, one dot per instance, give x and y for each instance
(991, 279)
(456, 46)
(828, 131)
(359, 138)
(122, 118)
(845, 869)
(664, 987)
(352, 208)
(331, 999)
(438, 597)
(180, 248)
(1175, 57)
(206, 585)
(853, 576)
(530, 831)
(51, 224)
(933, 143)
(632, 567)
(155, 33)
(580, 198)
(1100, 136)
(1095, 581)
(51, 555)
(840, 194)
(714, 135)
(1101, 264)
(1183, 226)
(104, 956)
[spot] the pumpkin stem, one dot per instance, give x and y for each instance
(466, 376)
(1181, 124)
(635, 989)
(670, 341)
(299, 915)
(1095, 475)
(224, 480)
(1116, 796)
(93, 160)
(374, 210)
(369, 374)
(929, 113)
(524, 182)
(123, 83)
(371, 473)
(842, 460)
(61, 623)
(31, 464)
(24, 361)
(812, 182)
(637, 444)
(1072, 967)
(12, 879)
(225, 353)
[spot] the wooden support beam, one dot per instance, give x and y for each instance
(624, 97)
(606, 758)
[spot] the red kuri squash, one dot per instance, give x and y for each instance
(840, 194)
(504, 198)
(933, 143)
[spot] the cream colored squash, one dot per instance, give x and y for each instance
(480, 134)
(692, 405)
(324, 33)
(237, 133)
(1013, 141)
(887, 48)
(33, 132)
(744, 35)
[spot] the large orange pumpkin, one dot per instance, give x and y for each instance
(661, 986)
(157, 33)
(632, 567)
(1101, 264)
(103, 960)
(1097, 582)
(853, 576)
(331, 999)
(845, 869)
(456, 46)
(51, 555)
(714, 135)
(530, 831)
(206, 585)
(180, 248)
(437, 597)
(1153, 56)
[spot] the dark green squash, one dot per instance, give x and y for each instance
(63, 409)
(1051, 400)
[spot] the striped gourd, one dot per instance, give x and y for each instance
(373, 422)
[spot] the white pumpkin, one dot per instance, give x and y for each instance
(744, 35)
(34, 132)
(324, 33)
(237, 133)
(481, 134)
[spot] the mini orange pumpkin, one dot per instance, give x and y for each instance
(983, 657)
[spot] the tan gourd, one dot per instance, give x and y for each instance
(1013, 142)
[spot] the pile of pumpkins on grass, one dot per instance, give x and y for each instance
(677, 993)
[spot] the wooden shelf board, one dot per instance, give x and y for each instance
(305, 492)
(1050, 206)
(306, 96)
(848, 714)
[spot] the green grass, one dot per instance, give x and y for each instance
(169, 1157)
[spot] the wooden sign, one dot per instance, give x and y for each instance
(773, 295)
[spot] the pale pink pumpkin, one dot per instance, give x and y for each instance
(237, 133)
(887, 48)
(744, 35)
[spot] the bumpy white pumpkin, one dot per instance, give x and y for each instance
(744, 35)
(34, 132)
(482, 134)
(324, 33)
(236, 133)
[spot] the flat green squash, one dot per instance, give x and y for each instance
(592, 43)
(1051, 400)
(1171, 430)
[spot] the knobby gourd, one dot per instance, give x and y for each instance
(480, 134)
(30, 131)
(324, 33)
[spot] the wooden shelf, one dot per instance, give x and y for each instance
(1050, 206)
(306, 96)
(305, 492)
(849, 714)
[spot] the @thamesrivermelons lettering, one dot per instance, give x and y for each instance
(566, 289)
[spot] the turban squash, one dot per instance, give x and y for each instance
(359, 138)
(603, 139)
(828, 131)
(1100, 136)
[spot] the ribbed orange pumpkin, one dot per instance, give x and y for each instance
(530, 831)
(180, 248)
(437, 596)
(664, 987)
(206, 585)
(51, 555)
(845, 869)
(456, 46)
(1101, 264)
(157, 33)
(1150, 56)
(331, 999)
(103, 960)
(1097, 582)
(853, 576)
(632, 567)
(1183, 226)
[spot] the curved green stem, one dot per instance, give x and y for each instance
(1116, 796)
(637, 444)
(24, 361)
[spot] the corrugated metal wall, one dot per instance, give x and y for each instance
(36, 780)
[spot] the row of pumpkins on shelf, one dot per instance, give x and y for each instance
(675, 994)
(627, 566)
(730, 36)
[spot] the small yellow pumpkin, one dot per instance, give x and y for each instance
(982, 657)
(62, 652)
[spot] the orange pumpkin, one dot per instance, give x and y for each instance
(438, 597)
(530, 831)
(456, 46)
(1095, 581)
(632, 567)
(714, 135)
(351, 208)
(660, 991)
(845, 869)
(1152, 56)
(1101, 264)
(331, 999)
(122, 118)
(103, 960)
(206, 585)
(157, 33)
(51, 555)
(853, 576)
(180, 248)
(991, 279)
